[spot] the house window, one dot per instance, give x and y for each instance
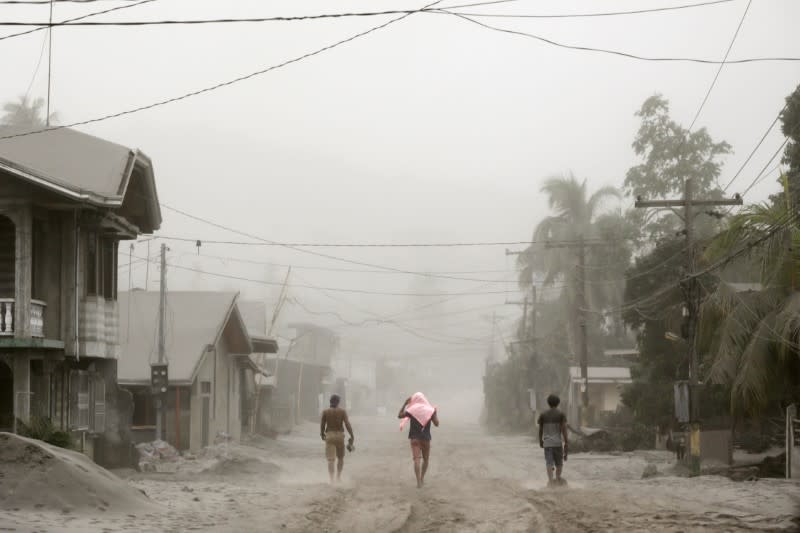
(205, 388)
(80, 396)
(87, 401)
(109, 264)
(91, 263)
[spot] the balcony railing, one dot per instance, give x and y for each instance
(7, 317)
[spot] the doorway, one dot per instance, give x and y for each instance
(6, 398)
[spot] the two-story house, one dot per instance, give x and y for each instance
(66, 201)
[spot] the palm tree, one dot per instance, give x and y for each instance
(577, 215)
(752, 338)
(25, 113)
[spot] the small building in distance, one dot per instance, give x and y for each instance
(211, 374)
(605, 391)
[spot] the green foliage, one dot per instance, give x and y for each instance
(671, 153)
(42, 428)
(790, 119)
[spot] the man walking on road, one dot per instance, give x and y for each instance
(421, 413)
(553, 438)
(331, 429)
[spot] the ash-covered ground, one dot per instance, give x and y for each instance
(476, 482)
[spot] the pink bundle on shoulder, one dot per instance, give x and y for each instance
(420, 408)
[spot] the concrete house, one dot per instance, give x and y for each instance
(211, 373)
(66, 200)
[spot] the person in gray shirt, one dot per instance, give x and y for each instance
(553, 438)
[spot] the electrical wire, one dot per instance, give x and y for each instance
(365, 244)
(445, 10)
(754, 150)
(334, 289)
(620, 53)
(40, 28)
(601, 14)
(224, 83)
(721, 66)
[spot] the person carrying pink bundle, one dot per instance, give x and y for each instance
(420, 413)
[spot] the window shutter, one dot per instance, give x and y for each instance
(83, 400)
(99, 404)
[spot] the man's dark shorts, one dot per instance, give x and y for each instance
(554, 456)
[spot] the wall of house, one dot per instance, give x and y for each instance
(221, 370)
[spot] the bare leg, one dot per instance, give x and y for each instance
(330, 469)
(558, 473)
(417, 472)
(550, 474)
(339, 468)
(424, 470)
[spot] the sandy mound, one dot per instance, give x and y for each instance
(34, 474)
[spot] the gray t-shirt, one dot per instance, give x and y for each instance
(551, 421)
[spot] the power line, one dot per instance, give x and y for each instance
(225, 83)
(295, 18)
(758, 178)
(356, 244)
(601, 14)
(620, 53)
(189, 22)
(40, 28)
(334, 289)
(721, 66)
(754, 150)
(306, 251)
(46, 2)
(345, 270)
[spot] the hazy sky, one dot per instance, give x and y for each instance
(430, 130)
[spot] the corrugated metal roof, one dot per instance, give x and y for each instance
(194, 320)
(69, 158)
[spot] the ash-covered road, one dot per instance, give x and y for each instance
(476, 482)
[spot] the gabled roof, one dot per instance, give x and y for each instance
(195, 321)
(79, 166)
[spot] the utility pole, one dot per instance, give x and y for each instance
(159, 375)
(580, 304)
(692, 303)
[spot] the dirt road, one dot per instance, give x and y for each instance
(476, 483)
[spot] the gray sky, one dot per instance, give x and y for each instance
(432, 129)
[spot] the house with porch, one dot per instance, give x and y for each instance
(66, 201)
(211, 374)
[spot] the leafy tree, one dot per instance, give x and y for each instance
(577, 214)
(670, 154)
(790, 119)
(752, 337)
(26, 113)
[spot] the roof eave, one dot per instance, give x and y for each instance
(79, 195)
